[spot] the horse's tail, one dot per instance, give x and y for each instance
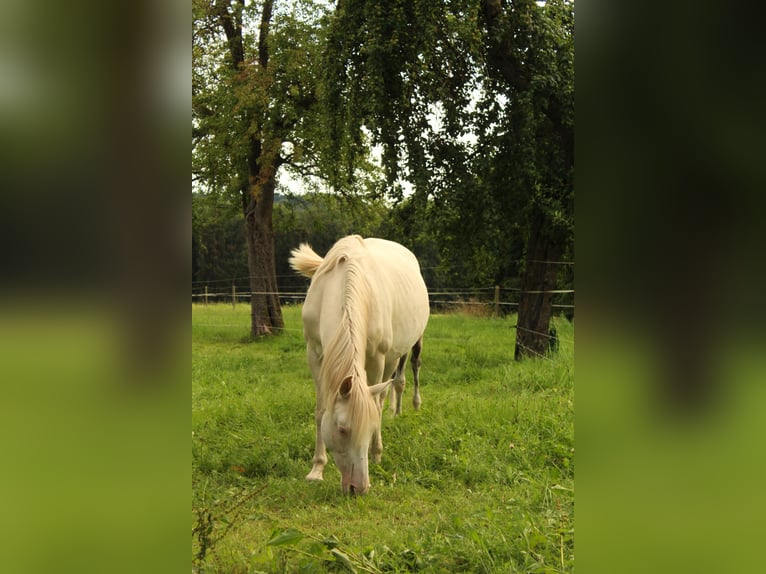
(304, 260)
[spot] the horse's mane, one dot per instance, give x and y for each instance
(344, 356)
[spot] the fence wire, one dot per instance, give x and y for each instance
(441, 298)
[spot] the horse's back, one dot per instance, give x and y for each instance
(399, 296)
(397, 270)
(395, 255)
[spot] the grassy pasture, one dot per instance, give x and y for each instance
(481, 479)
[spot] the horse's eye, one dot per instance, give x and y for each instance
(344, 430)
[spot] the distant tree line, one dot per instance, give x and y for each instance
(462, 261)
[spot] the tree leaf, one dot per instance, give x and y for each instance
(289, 536)
(343, 559)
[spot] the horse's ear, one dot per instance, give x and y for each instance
(345, 388)
(380, 388)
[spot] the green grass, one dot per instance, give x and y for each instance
(481, 479)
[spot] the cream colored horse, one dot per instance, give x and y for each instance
(366, 307)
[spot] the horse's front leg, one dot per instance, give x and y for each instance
(320, 452)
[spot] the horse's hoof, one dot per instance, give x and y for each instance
(314, 477)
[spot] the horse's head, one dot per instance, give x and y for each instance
(348, 428)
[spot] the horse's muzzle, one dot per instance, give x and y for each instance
(354, 490)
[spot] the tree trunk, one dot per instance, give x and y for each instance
(263, 160)
(532, 337)
(265, 311)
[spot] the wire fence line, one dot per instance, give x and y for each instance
(463, 298)
(496, 300)
(472, 292)
(296, 276)
(549, 335)
(468, 292)
(486, 297)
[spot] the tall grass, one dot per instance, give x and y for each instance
(480, 479)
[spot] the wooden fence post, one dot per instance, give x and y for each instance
(497, 300)
(233, 296)
(205, 294)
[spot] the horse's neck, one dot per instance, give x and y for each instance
(355, 314)
(344, 351)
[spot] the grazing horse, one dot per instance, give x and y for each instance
(366, 307)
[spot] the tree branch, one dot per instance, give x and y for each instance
(304, 170)
(263, 34)
(232, 27)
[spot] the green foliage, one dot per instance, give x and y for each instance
(447, 257)
(481, 479)
(473, 104)
(385, 66)
(319, 219)
(218, 154)
(526, 114)
(218, 244)
(234, 104)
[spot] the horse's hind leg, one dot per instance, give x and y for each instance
(399, 384)
(375, 371)
(415, 361)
